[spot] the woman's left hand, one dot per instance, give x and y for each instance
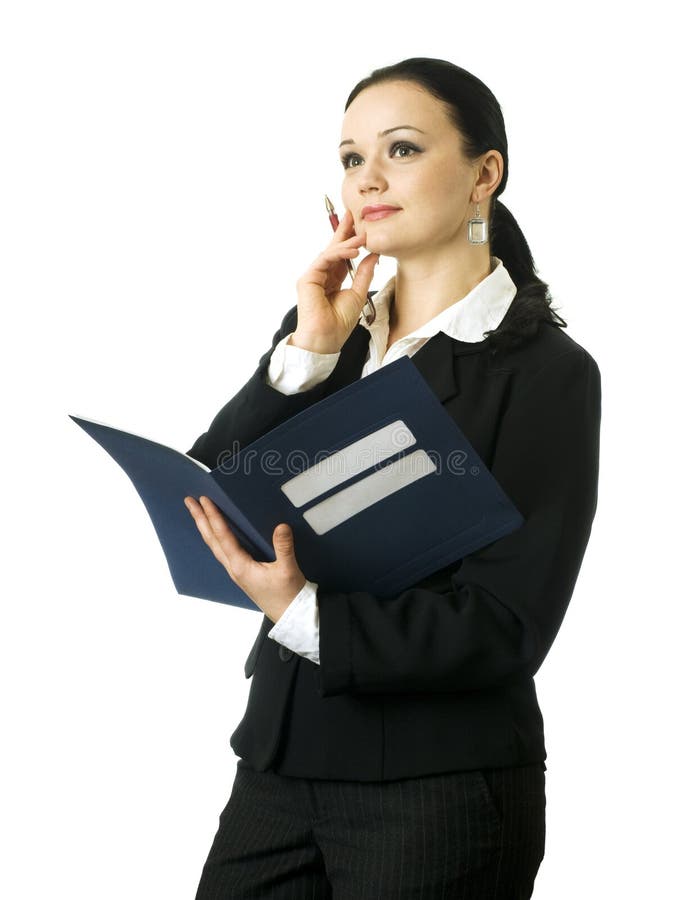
(271, 586)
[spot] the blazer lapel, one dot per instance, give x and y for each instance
(435, 362)
(352, 359)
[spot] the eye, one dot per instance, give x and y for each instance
(404, 145)
(348, 158)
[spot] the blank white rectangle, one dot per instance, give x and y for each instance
(368, 491)
(357, 457)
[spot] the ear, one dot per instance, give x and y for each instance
(490, 173)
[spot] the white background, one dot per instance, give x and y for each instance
(162, 181)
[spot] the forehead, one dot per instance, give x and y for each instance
(382, 106)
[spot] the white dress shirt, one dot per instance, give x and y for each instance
(293, 369)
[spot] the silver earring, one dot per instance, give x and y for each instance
(477, 228)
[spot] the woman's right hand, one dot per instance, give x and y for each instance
(326, 315)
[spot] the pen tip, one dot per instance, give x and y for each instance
(329, 205)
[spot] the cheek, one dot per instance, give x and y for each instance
(441, 201)
(447, 184)
(444, 195)
(350, 193)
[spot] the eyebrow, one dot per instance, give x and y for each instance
(383, 133)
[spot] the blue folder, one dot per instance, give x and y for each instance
(378, 482)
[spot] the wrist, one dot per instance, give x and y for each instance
(312, 344)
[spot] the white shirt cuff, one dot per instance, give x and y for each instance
(293, 369)
(298, 627)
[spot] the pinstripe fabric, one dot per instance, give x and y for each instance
(477, 834)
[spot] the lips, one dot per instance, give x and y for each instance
(370, 213)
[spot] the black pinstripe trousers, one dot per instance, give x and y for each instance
(477, 835)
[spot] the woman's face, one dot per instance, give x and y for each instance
(422, 172)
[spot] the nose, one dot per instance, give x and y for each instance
(371, 177)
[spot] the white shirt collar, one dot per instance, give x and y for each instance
(482, 309)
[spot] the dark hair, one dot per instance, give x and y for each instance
(475, 112)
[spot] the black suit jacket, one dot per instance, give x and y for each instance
(440, 677)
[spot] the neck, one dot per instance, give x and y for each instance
(423, 289)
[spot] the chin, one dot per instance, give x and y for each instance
(387, 241)
(379, 243)
(383, 247)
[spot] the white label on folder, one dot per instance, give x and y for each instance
(370, 490)
(357, 457)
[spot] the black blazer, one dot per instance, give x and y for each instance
(440, 677)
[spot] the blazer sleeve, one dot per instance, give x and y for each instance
(255, 409)
(493, 619)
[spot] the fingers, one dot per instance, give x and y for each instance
(344, 235)
(344, 245)
(347, 242)
(334, 253)
(346, 226)
(218, 536)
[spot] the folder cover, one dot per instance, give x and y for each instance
(379, 484)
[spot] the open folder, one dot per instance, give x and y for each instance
(379, 484)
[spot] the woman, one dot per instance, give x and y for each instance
(393, 747)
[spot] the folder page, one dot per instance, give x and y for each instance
(163, 477)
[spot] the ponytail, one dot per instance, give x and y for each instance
(531, 304)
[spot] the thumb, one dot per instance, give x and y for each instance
(364, 274)
(283, 542)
